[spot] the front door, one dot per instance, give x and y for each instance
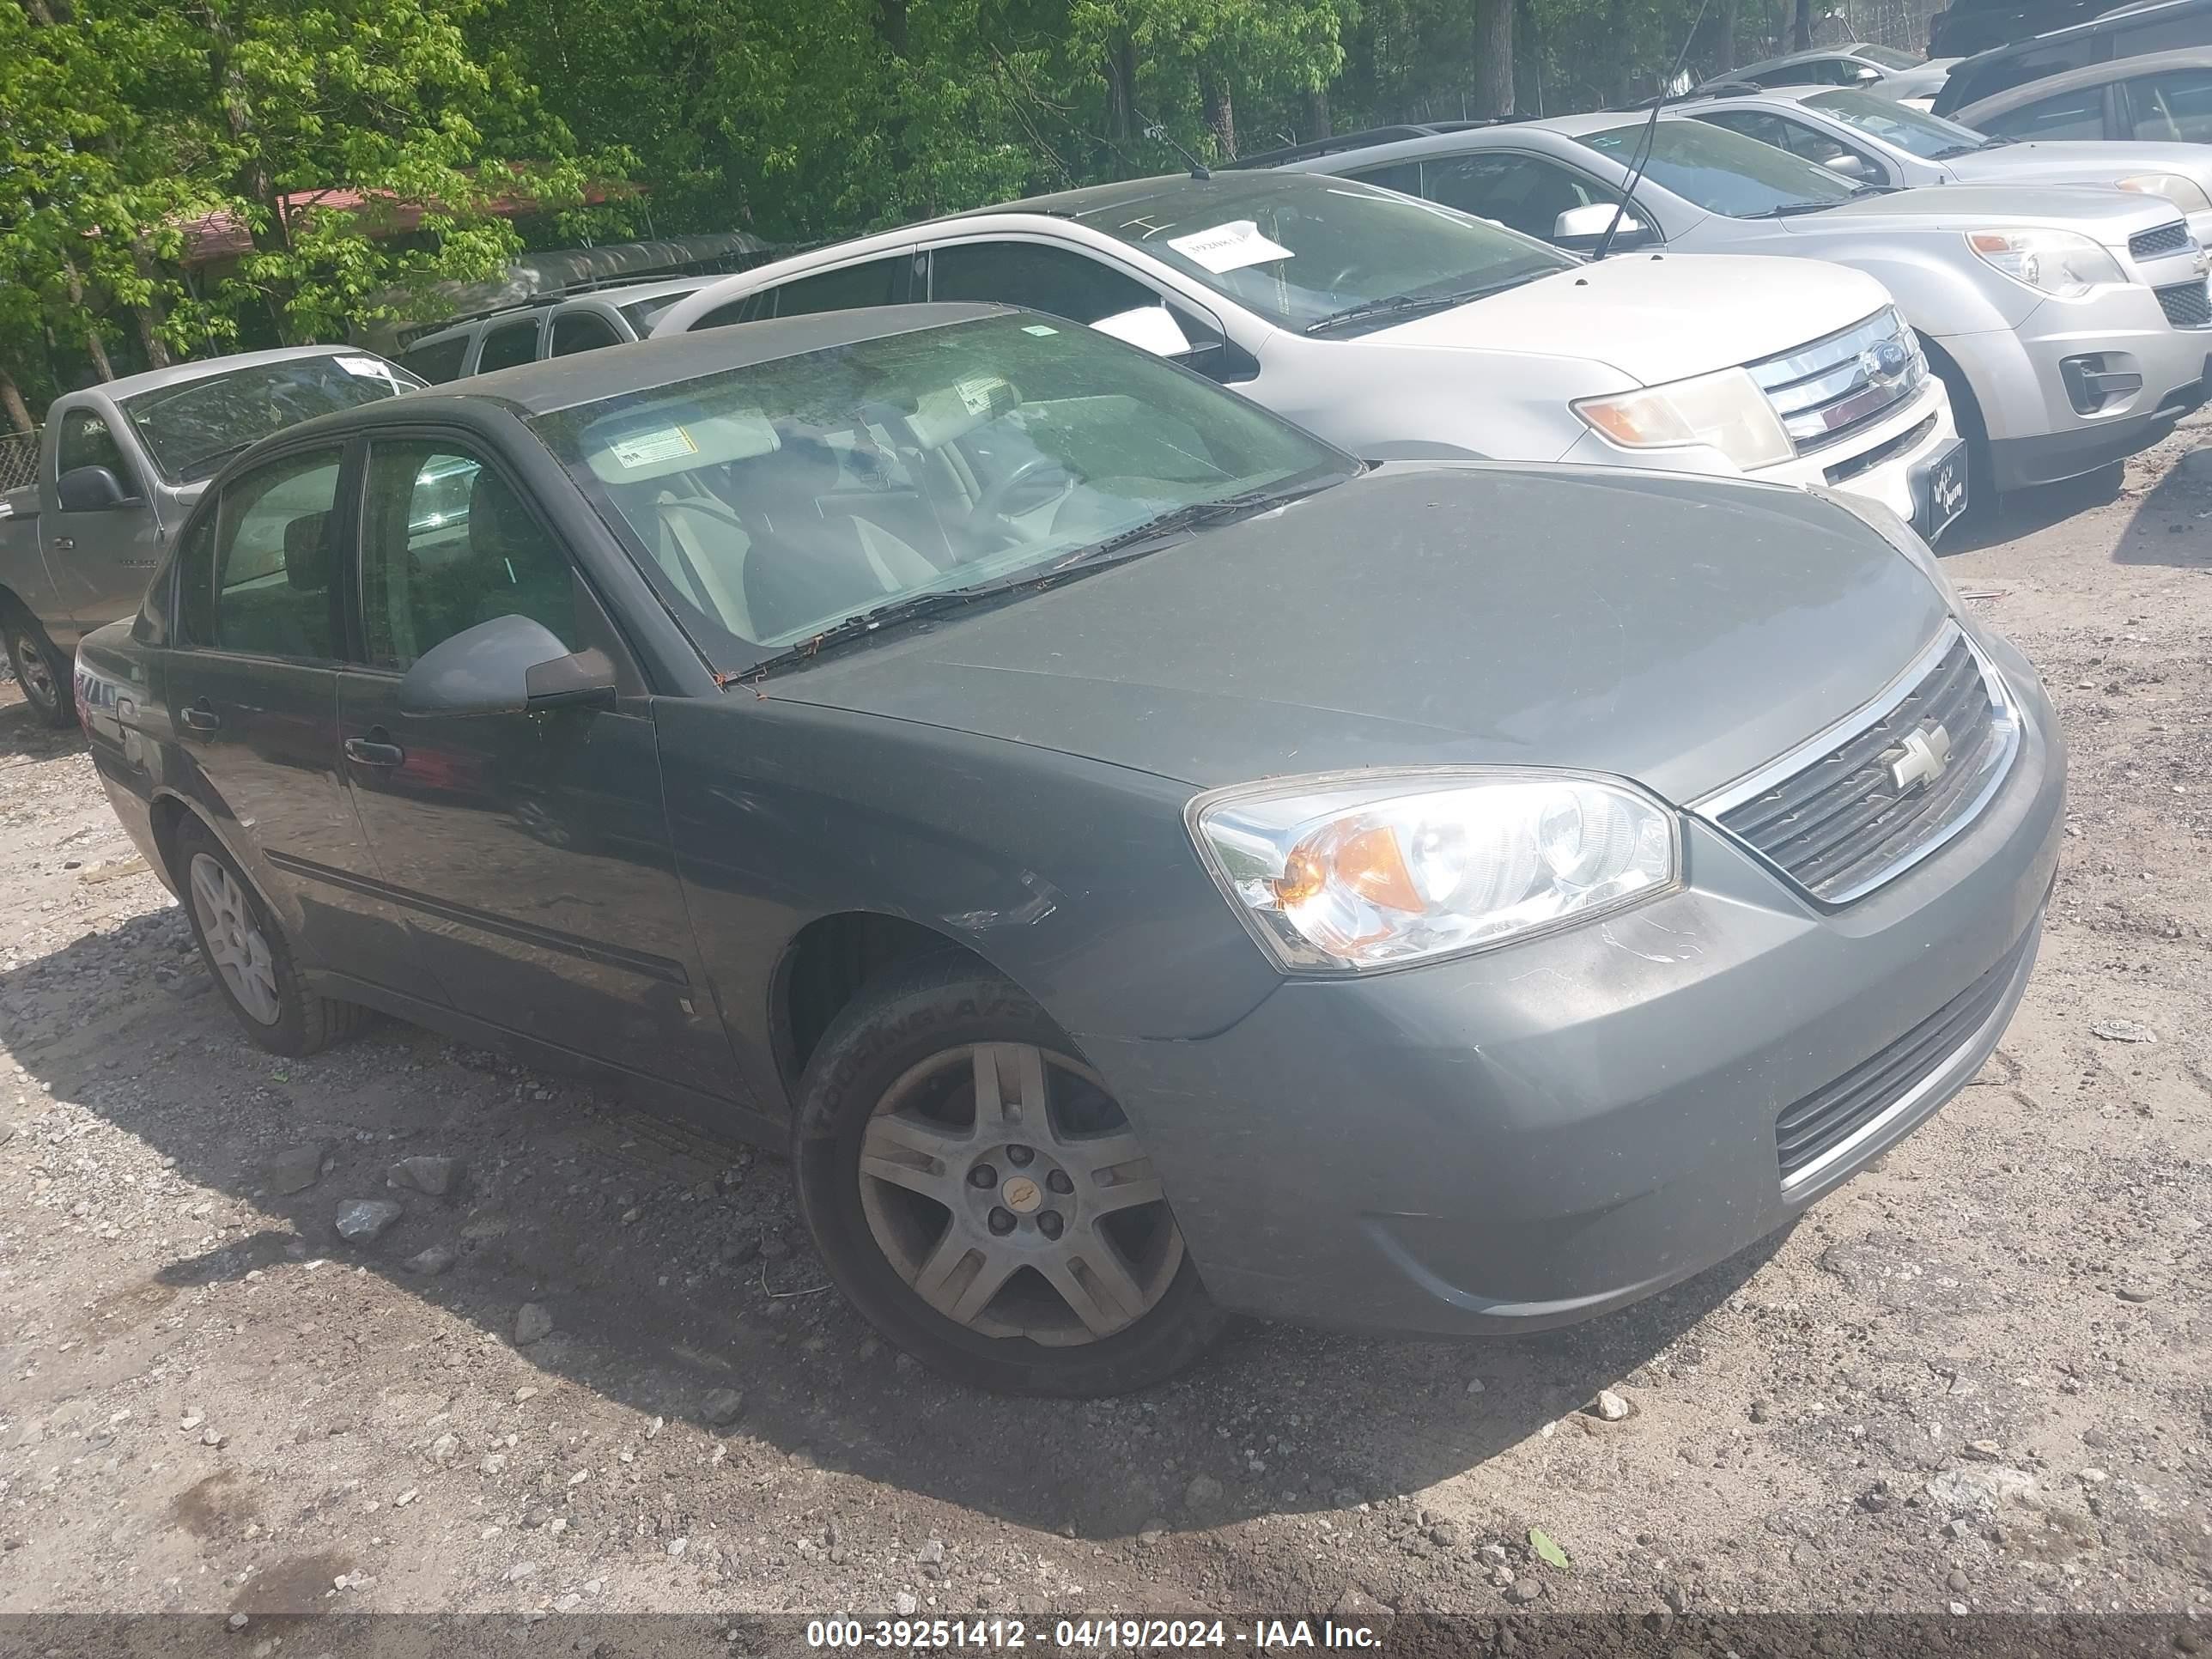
(100, 561)
(531, 851)
(252, 698)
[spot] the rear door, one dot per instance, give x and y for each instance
(99, 561)
(252, 688)
(531, 851)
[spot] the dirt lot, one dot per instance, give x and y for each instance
(1979, 1377)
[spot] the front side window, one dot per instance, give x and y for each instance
(1722, 171)
(1928, 137)
(2175, 104)
(2070, 115)
(446, 544)
(772, 502)
(258, 582)
(192, 429)
(1304, 249)
(85, 440)
(1048, 279)
(849, 288)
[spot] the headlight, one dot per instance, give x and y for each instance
(2060, 262)
(1366, 869)
(1726, 411)
(1899, 535)
(2185, 193)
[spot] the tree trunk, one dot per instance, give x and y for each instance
(150, 315)
(891, 24)
(1493, 57)
(1724, 59)
(1213, 92)
(1122, 93)
(11, 400)
(1317, 123)
(1800, 26)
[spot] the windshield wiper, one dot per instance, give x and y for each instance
(1791, 210)
(911, 608)
(1406, 305)
(1949, 150)
(207, 465)
(1195, 516)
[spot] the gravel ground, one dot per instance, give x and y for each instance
(601, 1370)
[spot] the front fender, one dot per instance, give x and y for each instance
(1943, 292)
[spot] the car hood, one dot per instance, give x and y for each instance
(1678, 630)
(1656, 317)
(2067, 163)
(2110, 216)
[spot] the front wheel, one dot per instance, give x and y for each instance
(978, 1194)
(41, 671)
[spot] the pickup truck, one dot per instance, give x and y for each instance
(120, 464)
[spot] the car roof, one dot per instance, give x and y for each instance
(2089, 74)
(630, 293)
(204, 369)
(1814, 56)
(557, 383)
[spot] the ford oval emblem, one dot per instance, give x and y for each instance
(1884, 363)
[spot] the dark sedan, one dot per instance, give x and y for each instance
(1145, 863)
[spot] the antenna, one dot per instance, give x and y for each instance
(1153, 130)
(1643, 144)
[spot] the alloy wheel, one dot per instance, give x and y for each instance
(235, 941)
(1006, 1188)
(34, 673)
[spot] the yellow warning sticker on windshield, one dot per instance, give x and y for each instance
(667, 443)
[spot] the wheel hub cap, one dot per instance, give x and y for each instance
(235, 947)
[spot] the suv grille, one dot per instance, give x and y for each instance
(1812, 1131)
(2186, 305)
(2156, 244)
(1827, 390)
(1858, 805)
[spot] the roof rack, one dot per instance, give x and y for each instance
(721, 265)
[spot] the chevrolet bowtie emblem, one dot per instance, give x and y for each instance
(1920, 759)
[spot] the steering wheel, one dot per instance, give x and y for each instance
(991, 509)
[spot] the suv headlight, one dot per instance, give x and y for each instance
(1899, 535)
(1725, 409)
(1348, 871)
(2185, 193)
(2061, 262)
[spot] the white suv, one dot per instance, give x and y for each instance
(1400, 329)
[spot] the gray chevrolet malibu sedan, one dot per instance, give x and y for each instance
(1144, 864)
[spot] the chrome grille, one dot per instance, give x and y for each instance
(1827, 390)
(1866, 799)
(2156, 244)
(1813, 1132)
(2186, 305)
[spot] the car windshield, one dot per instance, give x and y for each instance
(1930, 137)
(1723, 172)
(1888, 58)
(192, 429)
(772, 503)
(1299, 249)
(644, 313)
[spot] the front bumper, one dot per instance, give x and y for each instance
(1541, 1133)
(2020, 380)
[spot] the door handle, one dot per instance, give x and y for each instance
(62, 543)
(370, 751)
(201, 717)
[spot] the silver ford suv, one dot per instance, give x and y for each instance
(2071, 325)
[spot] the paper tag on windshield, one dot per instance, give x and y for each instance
(366, 368)
(978, 394)
(1229, 248)
(651, 448)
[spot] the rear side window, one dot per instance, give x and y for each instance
(1405, 178)
(1047, 279)
(259, 583)
(2175, 106)
(2070, 115)
(2174, 34)
(436, 361)
(508, 344)
(581, 330)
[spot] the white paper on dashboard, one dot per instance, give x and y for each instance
(1229, 248)
(1153, 328)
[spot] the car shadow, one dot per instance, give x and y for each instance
(673, 1265)
(25, 736)
(2025, 511)
(2172, 523)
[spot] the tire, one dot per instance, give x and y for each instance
(249, 957)
(1967, 416)
(1103, 1302)
(42, 672)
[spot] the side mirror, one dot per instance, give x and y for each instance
(1847, 167)
(91, 489)
(508, 665)
(1865, 75)
(1583, 228)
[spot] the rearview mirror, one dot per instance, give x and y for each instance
(508, 665)
(91, 489)
(1847, 167)
(1583, 228)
